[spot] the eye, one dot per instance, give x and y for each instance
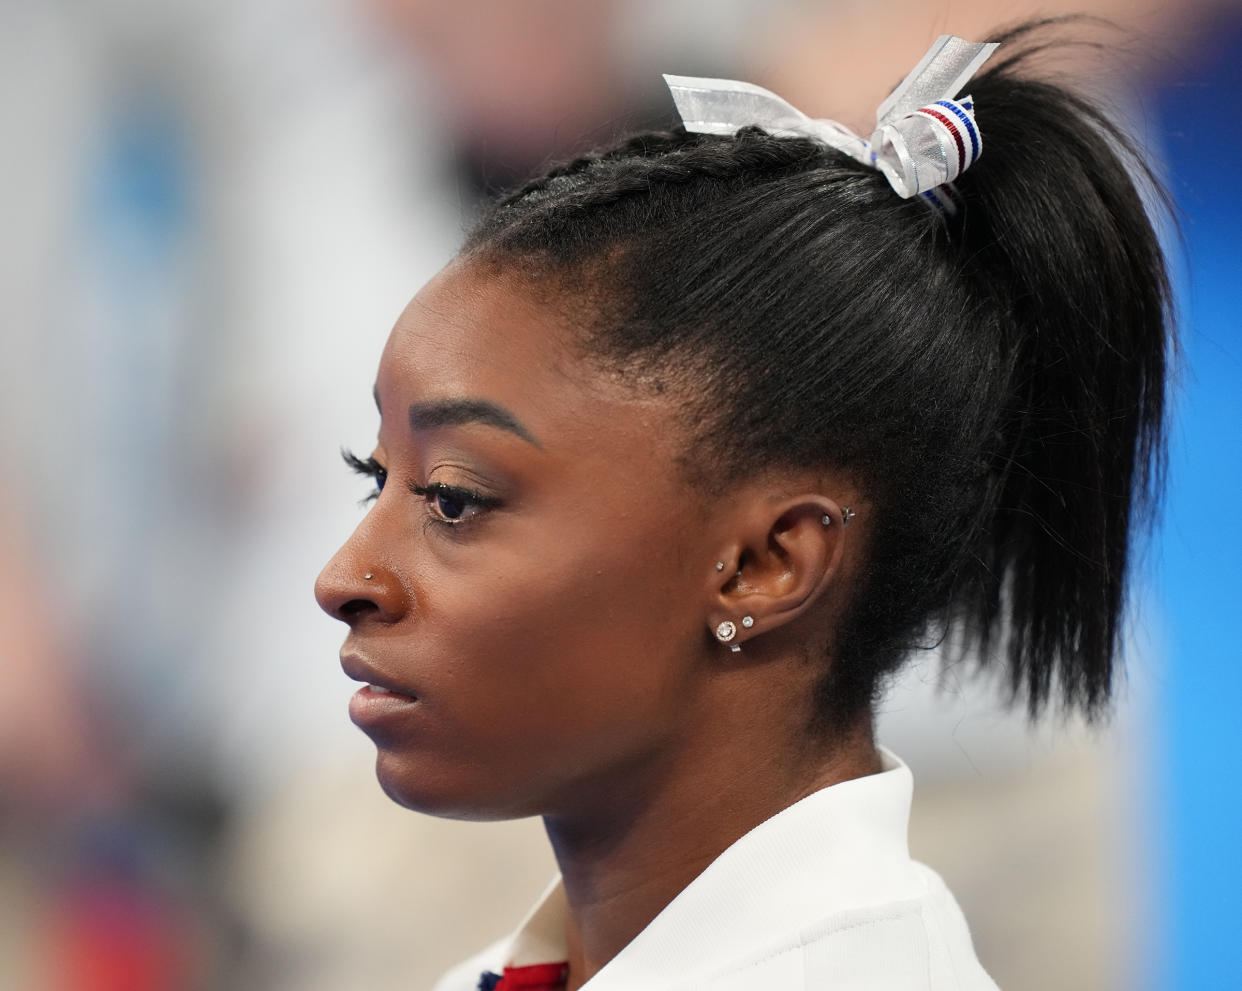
(452, 505)
(368, 467)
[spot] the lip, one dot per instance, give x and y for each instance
(359, 668)
(379, 698)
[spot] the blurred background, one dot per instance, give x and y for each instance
(213, 212)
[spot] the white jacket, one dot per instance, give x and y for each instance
(821, 896)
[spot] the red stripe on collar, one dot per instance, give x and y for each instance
(536, 977)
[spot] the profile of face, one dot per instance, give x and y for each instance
(528, 597)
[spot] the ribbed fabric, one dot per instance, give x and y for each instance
(823, 894)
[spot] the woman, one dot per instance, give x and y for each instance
(695, 441)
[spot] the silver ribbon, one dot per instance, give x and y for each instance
(923, 138)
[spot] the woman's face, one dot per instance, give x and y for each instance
(531, 583)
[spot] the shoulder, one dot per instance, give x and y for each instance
(952, 950)
(921, 944)
(465, 975)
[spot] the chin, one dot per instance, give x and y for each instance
(440, 793)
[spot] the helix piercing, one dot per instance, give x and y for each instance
(847, 514)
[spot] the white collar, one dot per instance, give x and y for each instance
(839, 849)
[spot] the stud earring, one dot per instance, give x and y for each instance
(726, 631)
(720, 566)
(748, 621)
(827, 520)
(368, 576)
(847, 514)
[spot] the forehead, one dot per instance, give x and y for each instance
(472, 329)
(477, 332)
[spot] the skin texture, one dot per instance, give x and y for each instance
(552, 654)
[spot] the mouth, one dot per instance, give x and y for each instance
(379, 697)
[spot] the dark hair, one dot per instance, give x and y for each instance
(993, 383)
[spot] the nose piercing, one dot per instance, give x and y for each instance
(368, 576)
(720, 566)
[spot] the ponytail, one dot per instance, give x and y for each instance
(1056, 237)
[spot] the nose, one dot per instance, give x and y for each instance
(353, 587)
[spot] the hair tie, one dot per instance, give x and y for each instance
(923, 138)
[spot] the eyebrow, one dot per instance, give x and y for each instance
(435, 413)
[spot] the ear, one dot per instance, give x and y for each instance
(784, 556)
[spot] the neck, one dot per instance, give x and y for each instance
(626, 861)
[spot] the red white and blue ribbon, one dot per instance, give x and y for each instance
(923, 138)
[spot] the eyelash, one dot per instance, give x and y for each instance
(369, 468)
(432, 493)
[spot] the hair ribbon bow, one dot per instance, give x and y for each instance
(923, 138)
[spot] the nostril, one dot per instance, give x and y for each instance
(354, 609)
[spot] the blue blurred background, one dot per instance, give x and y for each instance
(213, 213)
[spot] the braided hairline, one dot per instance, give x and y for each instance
(670, 157)
(638, 146)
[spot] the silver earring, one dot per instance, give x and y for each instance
(735, 648)
(748, 621)
(368, 576)
(847, 514)
(720, 566)
(827, 520)
(726, 631)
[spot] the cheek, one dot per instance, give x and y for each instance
(584, 634)
(546, 669)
